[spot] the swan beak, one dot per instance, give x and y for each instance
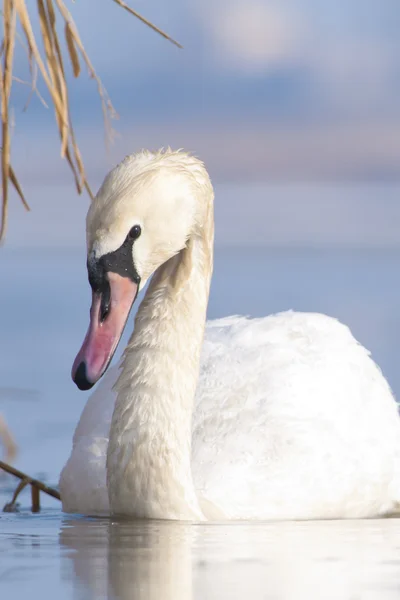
(108, 315)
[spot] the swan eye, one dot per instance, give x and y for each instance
(135, 232)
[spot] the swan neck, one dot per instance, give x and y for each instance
(149, 455)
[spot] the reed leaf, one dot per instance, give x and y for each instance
(54, 17)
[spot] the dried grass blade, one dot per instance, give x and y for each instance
(76, 67)
(107, 107)
(34, 88)
(89, 190)
(78, 169)
(4, 199)
(30, 38)
(56, 73)
(78, 159)
(147, 22)
(33, 49)
(9, 19)
(74, 171)
(18, 189)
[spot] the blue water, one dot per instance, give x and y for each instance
(44, 314)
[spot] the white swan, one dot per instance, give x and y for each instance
(289, 417)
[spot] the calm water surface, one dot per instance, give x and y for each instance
(50, 556)
(43, 318)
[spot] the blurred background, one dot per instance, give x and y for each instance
(294, 105)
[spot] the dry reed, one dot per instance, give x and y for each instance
(52, 69)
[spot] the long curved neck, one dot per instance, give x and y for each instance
(149, 453)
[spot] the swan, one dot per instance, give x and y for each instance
(283, 417)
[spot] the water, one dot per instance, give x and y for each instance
(51, 556)
(44, 315)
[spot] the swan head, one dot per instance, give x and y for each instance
(144, 213)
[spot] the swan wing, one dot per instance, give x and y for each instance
(293, 419)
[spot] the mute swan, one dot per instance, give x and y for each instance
(285, 417)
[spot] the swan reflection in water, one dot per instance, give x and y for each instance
(335, 560)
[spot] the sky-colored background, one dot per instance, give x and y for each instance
(270, 92)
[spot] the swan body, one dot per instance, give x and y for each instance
(284, 417)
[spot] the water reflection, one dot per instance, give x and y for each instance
(130, 560)
(177, 561)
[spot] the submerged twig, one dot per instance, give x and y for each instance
(12, 506)
(36, 487)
